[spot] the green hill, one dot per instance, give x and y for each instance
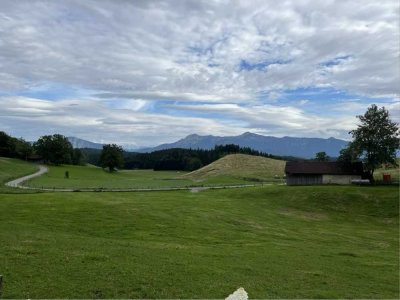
(243, 166)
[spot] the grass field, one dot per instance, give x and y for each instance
(276, 242)
(94, 177)
(229, 170)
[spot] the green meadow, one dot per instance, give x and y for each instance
(81, 177)
(275, 241)
(94, 177)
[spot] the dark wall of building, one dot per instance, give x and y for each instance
(303, 179)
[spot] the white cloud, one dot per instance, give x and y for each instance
(95, 121)
(280, 120)
(239, 57)
(193, 49)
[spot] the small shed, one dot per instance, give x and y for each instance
(318, 172)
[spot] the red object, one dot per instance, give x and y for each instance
(386, 177)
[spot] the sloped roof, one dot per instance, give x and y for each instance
(322, 167)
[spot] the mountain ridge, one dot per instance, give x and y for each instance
(301, 147)
(283, 146)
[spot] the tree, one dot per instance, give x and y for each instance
(23, 148)
(77, 157)
(111, 157)
(348, 155)
(7, 146)
(192, 164)
(321, 156)
(13, 147)
(375, 139)
(54, 148)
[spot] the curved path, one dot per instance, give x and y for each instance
(18, 182)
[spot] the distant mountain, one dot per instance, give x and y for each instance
(79, 143)
(285, 146)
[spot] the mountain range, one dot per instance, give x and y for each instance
(283, 146)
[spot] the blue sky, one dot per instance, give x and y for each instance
(141, 73)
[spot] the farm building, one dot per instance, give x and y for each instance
(317, 172)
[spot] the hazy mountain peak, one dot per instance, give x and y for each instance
(80, 143)
(193, 135)
(248, 134)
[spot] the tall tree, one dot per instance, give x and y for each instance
(111, 157)
(376, 138)
(54, 148)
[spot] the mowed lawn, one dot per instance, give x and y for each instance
(275, 241)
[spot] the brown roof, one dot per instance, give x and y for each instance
(322, 167)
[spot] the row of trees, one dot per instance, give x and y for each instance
(13, 147)
(55, 149)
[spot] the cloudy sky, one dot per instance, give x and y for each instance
(141, 73)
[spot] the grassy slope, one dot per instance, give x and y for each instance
(13, 168)
(276, 242)
(241, 166)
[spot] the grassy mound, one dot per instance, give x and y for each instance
(248, 167)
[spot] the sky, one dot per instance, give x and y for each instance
(141, 73)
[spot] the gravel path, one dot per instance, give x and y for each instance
(18, 182)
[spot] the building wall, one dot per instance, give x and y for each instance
(339, 179)
(320, 179)
(303, 179)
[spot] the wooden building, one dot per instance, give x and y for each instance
(317, 172)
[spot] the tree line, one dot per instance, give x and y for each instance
(53, 149)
